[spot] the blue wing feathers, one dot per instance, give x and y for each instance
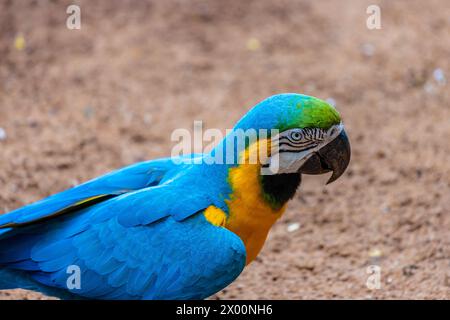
(150, 243)
(143, 265)
(131, 178)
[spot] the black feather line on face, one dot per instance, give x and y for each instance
(309, 138)
(297, 150)
(296, 145)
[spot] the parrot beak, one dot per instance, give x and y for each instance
(334, 156)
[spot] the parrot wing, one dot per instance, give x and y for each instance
(150, 244)
(134, 177)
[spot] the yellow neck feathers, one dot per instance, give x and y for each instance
(251, 217)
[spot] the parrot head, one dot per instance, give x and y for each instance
(311, 138)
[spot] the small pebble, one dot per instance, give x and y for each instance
(375, 253)
(439, 76)
(253, 44)
(293, 227)
(2, 134)
(19, 43)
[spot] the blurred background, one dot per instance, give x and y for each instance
(75, 104)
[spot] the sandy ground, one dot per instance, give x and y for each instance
(77, 103)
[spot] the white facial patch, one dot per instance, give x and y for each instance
(292, 148)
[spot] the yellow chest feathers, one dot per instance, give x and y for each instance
(250, 216)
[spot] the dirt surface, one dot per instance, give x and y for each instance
(75, 104)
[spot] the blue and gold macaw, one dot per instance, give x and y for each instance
(165, 229)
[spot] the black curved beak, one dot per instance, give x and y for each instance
(335, 157)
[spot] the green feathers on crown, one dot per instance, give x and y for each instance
(310, 112)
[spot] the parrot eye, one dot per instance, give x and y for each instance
(296, 136)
